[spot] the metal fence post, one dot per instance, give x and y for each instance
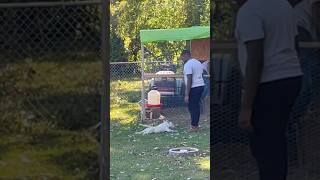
(142, 88)
(104, 168)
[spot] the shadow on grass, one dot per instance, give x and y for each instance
(77, 161)
(69, 111)
(3, 149)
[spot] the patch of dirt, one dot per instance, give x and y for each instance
(180, 116)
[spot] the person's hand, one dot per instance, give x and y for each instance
(186, 99)
(245, 119)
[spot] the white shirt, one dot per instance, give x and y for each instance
(303, 15)
(273, 21)
(194, 67)
(205, 66)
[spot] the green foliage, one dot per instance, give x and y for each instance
(223, 17)
(130, 16)
(117, 49)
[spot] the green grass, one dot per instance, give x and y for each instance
(124, 97)
(47, 150)
(43, 149)
(145, 157)
(139, 157)
(59, 77)
(23, 158)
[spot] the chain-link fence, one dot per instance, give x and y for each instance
(230, 151)
(231, 154)
(50, 78)
(127, 82)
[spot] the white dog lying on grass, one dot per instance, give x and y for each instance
(163, 127)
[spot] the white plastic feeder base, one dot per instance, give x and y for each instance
(183, 151)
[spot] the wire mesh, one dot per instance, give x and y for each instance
(172, 89)
(231, 155)
(45, 31)
(50, 79)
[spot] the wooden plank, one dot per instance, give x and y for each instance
(200, 49)
(315, 45)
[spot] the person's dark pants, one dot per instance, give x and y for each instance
(205, 93)
(271, 112)
(194, 104)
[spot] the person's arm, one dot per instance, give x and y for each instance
(188, 87)
(253, 71)
(250, 31)
(252, 79)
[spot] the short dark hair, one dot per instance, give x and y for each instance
(186, 51)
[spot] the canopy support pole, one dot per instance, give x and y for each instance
(142, 84)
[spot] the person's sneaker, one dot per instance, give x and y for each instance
(194, 129)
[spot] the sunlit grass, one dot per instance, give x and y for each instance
(23, 158)
(204, 163)
(141, 157)
(15, 167)
(137, 156)
(125, 114)
(142, 176)
(124, 97)
(126, 85)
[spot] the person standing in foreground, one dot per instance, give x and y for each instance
(194, 82)
(266, 32)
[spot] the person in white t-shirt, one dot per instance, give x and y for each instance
(266, 31)
(308, 21)
(194, 83)
(307, 15)
(205, 65)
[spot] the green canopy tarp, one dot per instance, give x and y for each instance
(180, 34)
